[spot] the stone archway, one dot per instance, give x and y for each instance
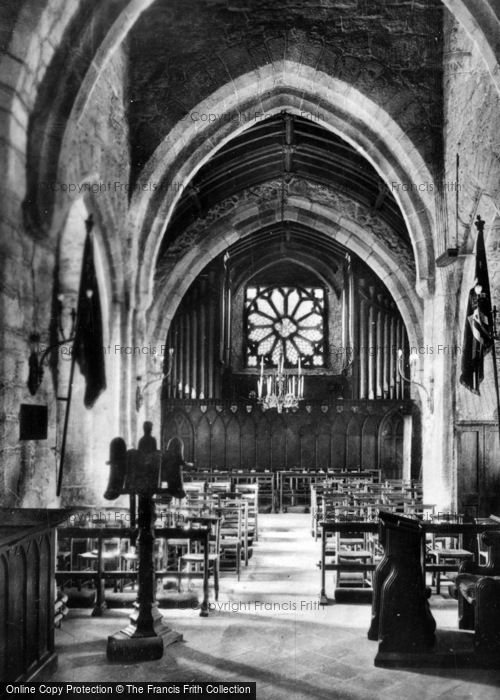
(295, 88)
(481, 21)
(245, 221)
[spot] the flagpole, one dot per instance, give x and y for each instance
(480, 228)
(66, 422)
(88, 225)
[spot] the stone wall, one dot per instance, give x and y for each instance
(31, 33)
(471, 127)
(391, 52)
(96, 152)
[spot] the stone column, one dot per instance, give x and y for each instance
(437, 373)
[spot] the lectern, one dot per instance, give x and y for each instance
(138, 474)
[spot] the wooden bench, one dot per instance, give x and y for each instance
(99, 576)
(469, 575)
(329, 527)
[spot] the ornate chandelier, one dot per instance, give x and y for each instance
(281, 389)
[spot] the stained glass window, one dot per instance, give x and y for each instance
(287, 322)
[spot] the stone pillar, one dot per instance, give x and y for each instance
(439, 375)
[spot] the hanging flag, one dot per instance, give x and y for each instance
(88, 345)
(478, 333)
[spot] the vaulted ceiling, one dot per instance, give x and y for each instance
(286, 146)
(182, 51)
(179, 53)
(285, 150)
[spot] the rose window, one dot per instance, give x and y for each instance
(285, 322)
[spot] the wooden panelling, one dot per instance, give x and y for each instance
(391, 445)
(239, 436)
(4, 607)
(478, 481)
(26, 604)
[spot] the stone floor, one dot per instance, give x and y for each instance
(269, 628)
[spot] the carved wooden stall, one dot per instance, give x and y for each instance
(27, 591)
(338, 325)
(224, 435)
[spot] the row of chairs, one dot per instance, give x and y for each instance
(232, 480)
(363, 498)
(443, 552)
(234, 529)
(351, 549)
(354, 554)
(231, 515)
(282, 488)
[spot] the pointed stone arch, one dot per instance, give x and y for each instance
(248, 219)
(481, 21)
(294, 87)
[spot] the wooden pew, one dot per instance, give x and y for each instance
(401, 618)
(465, 585)
(329, 527)
(99, 576)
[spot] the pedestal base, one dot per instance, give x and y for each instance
(123, 646)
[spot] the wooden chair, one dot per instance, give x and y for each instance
(231, 534)
(250, 493)
(352, 548)
(191, 564)
(446, 550)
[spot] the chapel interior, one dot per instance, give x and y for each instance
(270, 230)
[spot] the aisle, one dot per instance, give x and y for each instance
(270, 628)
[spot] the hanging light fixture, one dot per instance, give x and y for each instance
(282, 389)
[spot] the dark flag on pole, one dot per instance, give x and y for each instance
(88, 345)
(478, 333)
